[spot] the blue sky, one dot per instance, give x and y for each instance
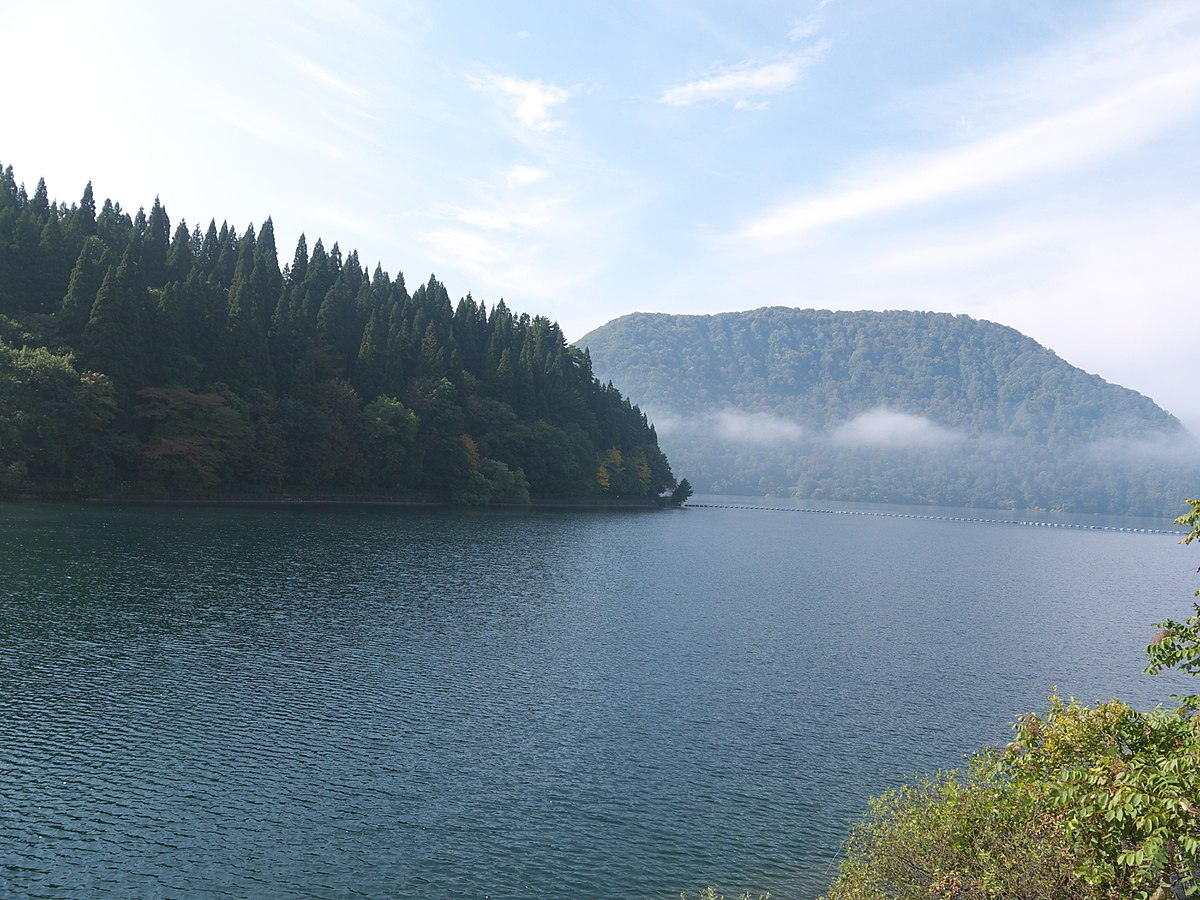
(1035, 164)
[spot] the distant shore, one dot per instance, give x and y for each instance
(280, 501)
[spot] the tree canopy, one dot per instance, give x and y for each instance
(140, 358)
(898, 406)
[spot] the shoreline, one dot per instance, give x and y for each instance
(280, 501)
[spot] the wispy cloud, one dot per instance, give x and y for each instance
(501, 219)
(275, 128)
(1106, 126)
(534, 244)
(746, 83)
(318, 73)
(523, 175)
(810, 25)
(349, 16)
(1084, 127)
(530, 100)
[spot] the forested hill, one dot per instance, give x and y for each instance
(895, 407)
(141, 357)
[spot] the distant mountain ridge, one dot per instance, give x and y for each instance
(892, 406)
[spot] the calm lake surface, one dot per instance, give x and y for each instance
(454, 704)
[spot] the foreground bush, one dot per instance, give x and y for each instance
(1127, 785)
(960, 835)
(1086, 802)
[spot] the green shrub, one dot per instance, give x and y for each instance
(972, 835)
(1126, 785)
(1086, 802)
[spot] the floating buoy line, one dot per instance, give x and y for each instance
(899, 515)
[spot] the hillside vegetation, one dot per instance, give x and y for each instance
(138, 357)
(892, 407)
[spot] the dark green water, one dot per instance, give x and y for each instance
(527, 704)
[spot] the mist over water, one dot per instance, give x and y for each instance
(1179, 449)
(886, 455)
(520, 704)
(887, 428)
(731, 425)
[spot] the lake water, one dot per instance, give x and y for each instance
(469, 704)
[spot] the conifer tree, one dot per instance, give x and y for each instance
(81, 222)
(156, 243)
(335, 328)
(53, 270)
(318, 279)
(210, 251)
(86, 277)
(249, 313)
(299, 267)
(114, 227)
(266, 269)
(371, 364)
(21, 290)
(112, 340)
(39, 204)
(179, 257)
(227, 255)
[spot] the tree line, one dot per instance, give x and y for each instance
(138, 357)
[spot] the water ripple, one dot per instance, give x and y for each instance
(364, 703)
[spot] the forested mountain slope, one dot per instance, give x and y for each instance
(139, 357)
(892, 406)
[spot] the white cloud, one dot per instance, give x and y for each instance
(468, 249)
(320, 74)
(810, 25)
(501, 220)
(1107, 126)
(542, 249)
(276, 128)
(523, 175)
(1074, 126)
(485, 218)
(739, 83)
(358, 18)
(530, 100)
(887, 428)
(972, 249)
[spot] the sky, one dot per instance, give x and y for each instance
(1033, 164)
